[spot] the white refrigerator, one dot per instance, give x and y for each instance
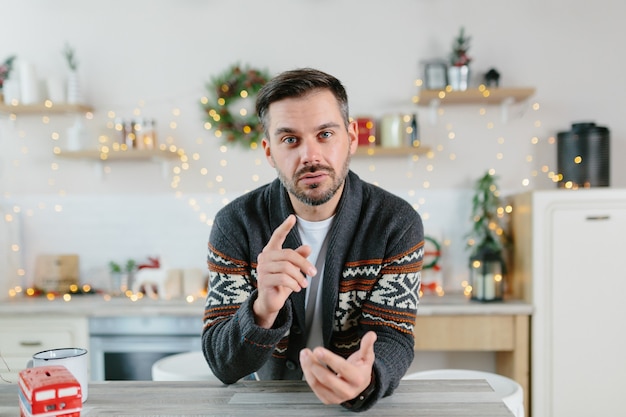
(569, 260)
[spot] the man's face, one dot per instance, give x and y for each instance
(309, 146)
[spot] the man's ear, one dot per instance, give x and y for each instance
(353, 135)
(267, 151)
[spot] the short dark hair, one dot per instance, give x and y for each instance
(298, 83)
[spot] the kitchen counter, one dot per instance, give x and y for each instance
(458, 304)
(101, 306)
(469, 398)
(105, 306)
(444, 324)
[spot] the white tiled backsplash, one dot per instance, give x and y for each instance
(102, 228)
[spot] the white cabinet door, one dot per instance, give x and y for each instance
(21, 337)
(587, 291)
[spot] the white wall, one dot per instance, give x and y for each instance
(154, 58)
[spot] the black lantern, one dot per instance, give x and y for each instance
(583, 155)
(487, 271)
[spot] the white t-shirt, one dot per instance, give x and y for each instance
(313, 234)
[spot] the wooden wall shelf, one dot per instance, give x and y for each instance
(128, 155)
(481, 95)
(45, 108)
(99, 158)
(401, 151)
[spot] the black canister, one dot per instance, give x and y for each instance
(583, 156)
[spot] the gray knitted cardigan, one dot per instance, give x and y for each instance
(371, 282)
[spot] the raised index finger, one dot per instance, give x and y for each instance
(281, 232)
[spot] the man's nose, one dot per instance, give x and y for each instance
(311, 151)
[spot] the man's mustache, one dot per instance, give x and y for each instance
(314, 169)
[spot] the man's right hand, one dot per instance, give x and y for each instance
(280, 272)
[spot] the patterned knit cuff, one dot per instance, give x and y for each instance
(252, 333)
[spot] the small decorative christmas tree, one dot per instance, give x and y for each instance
(460, 47)
(487, 216)
(486, 241)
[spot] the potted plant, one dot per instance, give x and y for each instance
(5, 72)
(486, 241)
(458, 71)
(74, 94)
(122, 277)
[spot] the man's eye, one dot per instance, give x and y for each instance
(289, 140)
(326, 135)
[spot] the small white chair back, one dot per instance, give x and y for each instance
(188, 366)
(511, 392)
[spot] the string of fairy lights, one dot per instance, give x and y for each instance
(190, 163)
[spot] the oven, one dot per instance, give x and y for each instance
(125, 348)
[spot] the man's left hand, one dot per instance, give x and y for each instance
(334, 379)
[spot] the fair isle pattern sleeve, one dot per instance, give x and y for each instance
(385, 293)
(395, 297)
(233, 344)
(230, 284)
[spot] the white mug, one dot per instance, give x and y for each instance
(74, 359)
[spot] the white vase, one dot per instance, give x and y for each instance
(29, 84)
(76, 135)
(11, 91)
(458, 77)
(74, 93)
(55, 89)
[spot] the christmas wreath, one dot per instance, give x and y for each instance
(232, 123)
(432, 250)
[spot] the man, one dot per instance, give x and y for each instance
(317, 222)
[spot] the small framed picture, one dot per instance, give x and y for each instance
(435, 76)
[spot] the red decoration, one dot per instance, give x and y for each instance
(47, 388)
(152, 263)
(367, 129)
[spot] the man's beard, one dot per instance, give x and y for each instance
(308, 196)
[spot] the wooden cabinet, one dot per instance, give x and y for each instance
(21, 337)
(458, 325)
(569, 262)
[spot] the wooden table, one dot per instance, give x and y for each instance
(432, 398)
